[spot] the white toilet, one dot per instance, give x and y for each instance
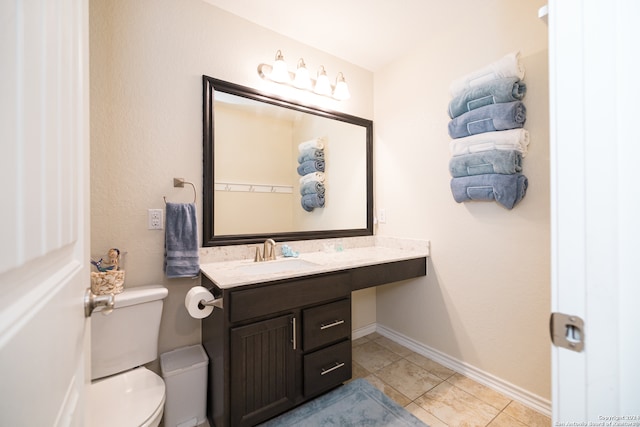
(123, 392)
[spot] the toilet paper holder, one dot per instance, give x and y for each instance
(217, 302)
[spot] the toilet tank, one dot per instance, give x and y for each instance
(128, 337)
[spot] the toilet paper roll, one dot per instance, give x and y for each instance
(192, 302)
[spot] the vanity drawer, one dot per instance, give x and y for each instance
(327, 368)
(287, 295)
(326, 324)
(380, 274)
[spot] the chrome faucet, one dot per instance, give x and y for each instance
(268, 251)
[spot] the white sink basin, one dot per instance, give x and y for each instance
(279, 266)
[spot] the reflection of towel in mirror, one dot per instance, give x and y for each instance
(310, 166)
(507, 190)
(312, 187)
(506, 89)
(311, 201)
(513, 139)
(311, 154)
(312, 143)
(181, 241)
(483, 162)
(509, 115)
(507, 66)
(315, 176)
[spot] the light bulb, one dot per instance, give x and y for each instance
(323, 87)
(302, 80)
(279, 72)
(341, 91)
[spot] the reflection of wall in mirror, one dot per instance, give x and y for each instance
(256, 151)
(345, 174)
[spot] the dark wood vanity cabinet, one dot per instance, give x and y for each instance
(278, 344)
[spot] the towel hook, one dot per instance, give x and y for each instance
(179, 183)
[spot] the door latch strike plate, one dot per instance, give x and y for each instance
(567, 331)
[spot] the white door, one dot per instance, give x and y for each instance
(595, 153)
(44, 205)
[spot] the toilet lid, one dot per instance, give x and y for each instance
(133, 398)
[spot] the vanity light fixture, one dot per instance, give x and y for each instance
(302, 79)
(342, 90)
(322, 86)
(279, 73)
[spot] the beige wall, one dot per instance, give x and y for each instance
(147, 62)
(248, 154)
(487, 297)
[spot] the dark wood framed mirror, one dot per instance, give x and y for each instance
(251, 185)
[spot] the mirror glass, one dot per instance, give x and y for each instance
(277, 169)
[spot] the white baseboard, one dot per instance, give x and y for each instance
(361, 332)
(512, 391)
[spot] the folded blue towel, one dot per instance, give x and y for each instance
(181, 241)
(310, 166)
(311, 201)
(507, 190)
(506, 89)
(509, 115)
(311, 187)
(484, 162)
(311, 153)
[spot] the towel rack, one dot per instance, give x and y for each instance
(252, 188)
(180, 182)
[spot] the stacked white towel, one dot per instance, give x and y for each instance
(312, 143)
(507, 66)
(512, 139)
(315, 176)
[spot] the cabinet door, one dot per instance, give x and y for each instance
(262, 370)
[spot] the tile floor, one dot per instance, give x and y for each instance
(437, 395)
(433, 393)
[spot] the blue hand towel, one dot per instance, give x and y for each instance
(484, 162)
(502, 90)
(509, 115)
(311, 154)
(311, 187)
(311, 201)
(311, 166)
(181, 241)
(507, 190)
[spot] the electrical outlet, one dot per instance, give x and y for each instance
(382, 216)
(155, 219)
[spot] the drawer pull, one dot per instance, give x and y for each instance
(333, 368)
(331, 325)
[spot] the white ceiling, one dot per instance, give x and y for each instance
(368, 33)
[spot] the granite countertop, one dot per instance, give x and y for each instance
(231, 273)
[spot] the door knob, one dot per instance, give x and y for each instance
(93, 301)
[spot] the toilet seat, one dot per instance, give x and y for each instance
(133, 398)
